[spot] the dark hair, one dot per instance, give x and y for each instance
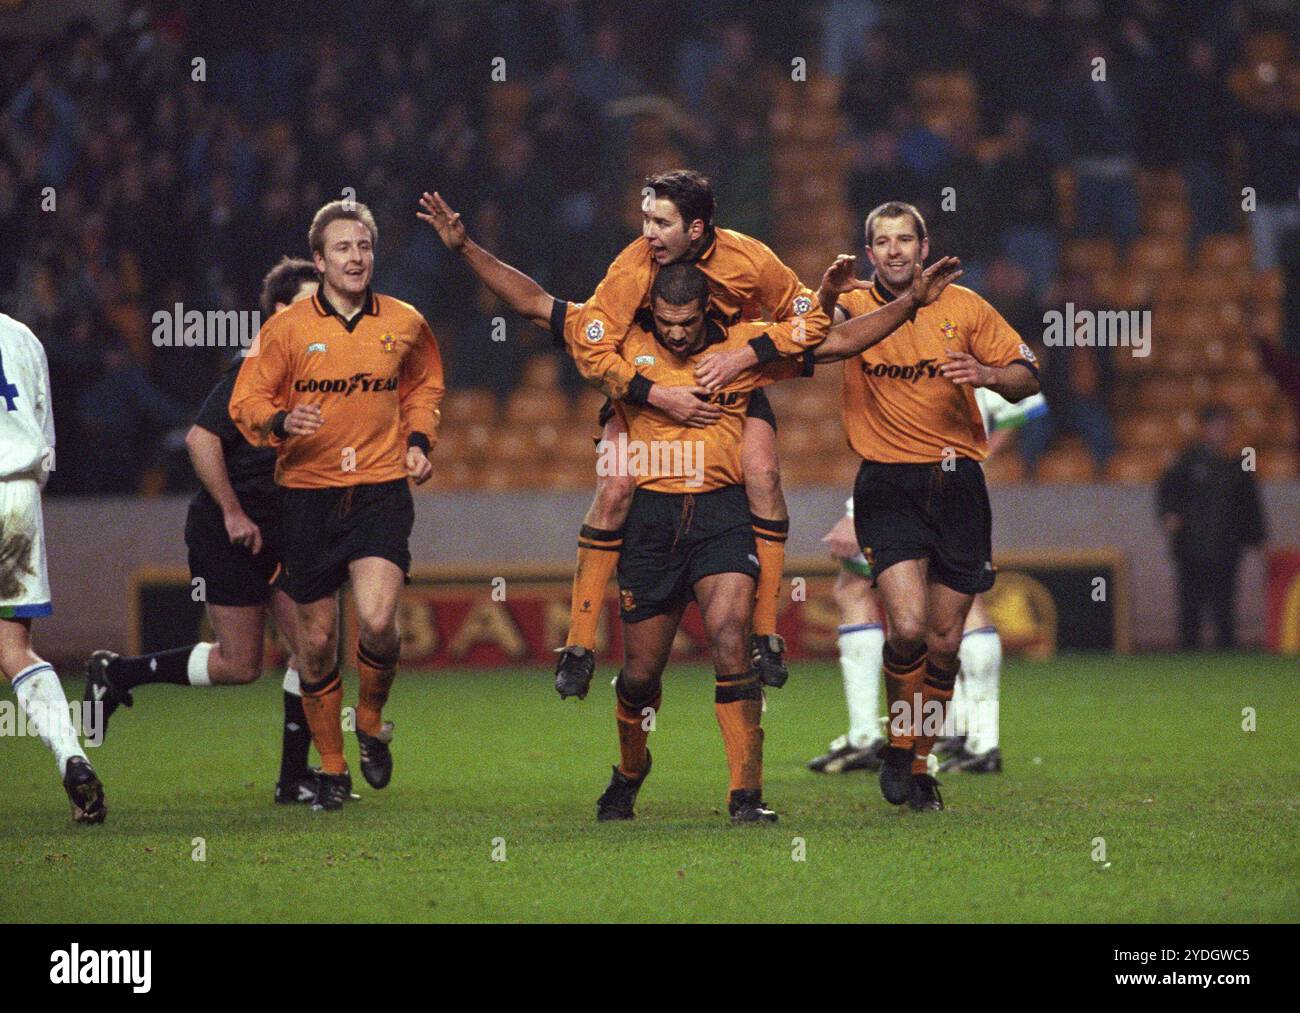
(680, 285)
(691, 194)
(282, 282)
(1214, 413)
(335, 210)
(895, 209)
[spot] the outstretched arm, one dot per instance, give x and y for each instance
(518, 291)
(855, 336)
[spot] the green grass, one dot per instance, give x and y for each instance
(1200, 818)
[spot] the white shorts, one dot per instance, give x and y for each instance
(24, 581)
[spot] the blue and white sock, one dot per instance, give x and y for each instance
(40, 694)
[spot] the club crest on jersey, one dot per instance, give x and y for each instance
(316, 346)
(626, 600)
(802, 304)
(644, 360)
(388, 342)
(595, 331)
(1026, 353)
(949, 330)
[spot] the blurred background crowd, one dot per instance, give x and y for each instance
(1087, 152)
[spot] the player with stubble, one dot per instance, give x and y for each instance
(347, 385)
(921, 508)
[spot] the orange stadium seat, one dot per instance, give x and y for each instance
(1159, 255)
(1068, 463)
(1224, 253)
(1090, 255)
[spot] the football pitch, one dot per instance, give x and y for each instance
(490, 816)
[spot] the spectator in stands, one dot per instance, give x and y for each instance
(1021, 177)
(1209, 506)
(1101, 132)
(1271, 134)
(1201, 113)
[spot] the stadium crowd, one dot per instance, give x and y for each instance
(186, 150)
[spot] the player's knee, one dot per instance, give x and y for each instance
(907, 633)
(729, 636)
(378, 629)
(850, 593)
(316, 647)
(763, 486)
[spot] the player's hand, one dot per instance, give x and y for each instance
(842, 276)
(719, 369)
(842, 540)
(928, 284)
(684, 405)
(417, 465)
(242, 531)
(445, 221)
(962, 368)
(304, 420)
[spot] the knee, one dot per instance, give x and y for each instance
(316, 646)
(850, 593)
(729, 636)
(907, 633)
(763, 481)
(378, 628)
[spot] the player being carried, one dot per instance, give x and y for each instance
(347, 386)
(26, 457)
(921, 508)
(746, 282)
(688, 531)
(232, 531)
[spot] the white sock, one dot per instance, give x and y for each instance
(40, 694)
(292, 684)
(957, 715)
(981, 660)
(197, 665)
(860, 660)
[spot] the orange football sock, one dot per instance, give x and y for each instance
(377, 674)
(937, 685)
(738, 702)
(903, 678)
(634, 726)
(597, 560)
(769, 538)
(323, 703)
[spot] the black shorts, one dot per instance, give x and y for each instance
(671, 540)
(231, 574)
(759, 408)
(326, 529)
(921, 511)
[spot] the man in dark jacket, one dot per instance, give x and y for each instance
(1209, 505)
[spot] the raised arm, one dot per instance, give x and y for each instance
(514, 288)
(855, 336)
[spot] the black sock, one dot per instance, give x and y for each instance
(297, 739)
(164, 666)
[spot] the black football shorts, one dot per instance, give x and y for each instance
(231, 574)
(921, 511)
(326, 529)
(672, 540)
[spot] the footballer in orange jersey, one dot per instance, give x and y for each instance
(347, 386)
(921, 508)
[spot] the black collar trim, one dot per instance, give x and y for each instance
(370, 307)
(881, 293)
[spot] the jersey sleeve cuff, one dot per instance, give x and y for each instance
(638, 391)
(277, 425)
(420, 440)
(559, 310)
(1027, 364)
(765, 348)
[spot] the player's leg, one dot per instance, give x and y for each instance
(638, 696)
(599, 544)
(296, 782)
(946, 615)
(978, 684)
(903, 598)
(321, 686)
(861, 641)
(771, 520)
(376, 586)
(41, 697)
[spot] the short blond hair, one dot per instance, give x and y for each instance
(895, 209)
(340, 210)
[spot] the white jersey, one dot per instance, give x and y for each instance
(26, 457)
(27, 421)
